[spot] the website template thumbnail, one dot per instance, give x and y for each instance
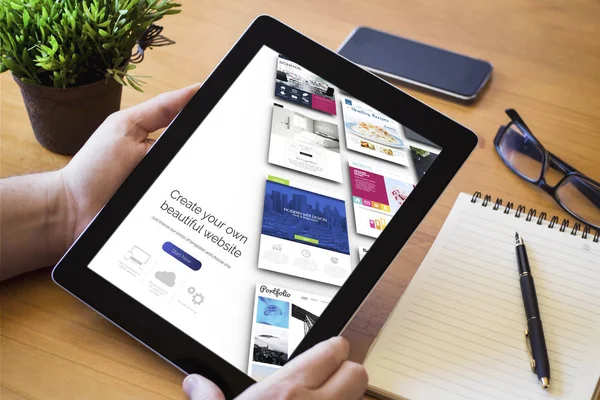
(271, 344)
(305, 144)
(299, 86)
(305, 217)
(376, 195)
(372, 133)
(304, 234)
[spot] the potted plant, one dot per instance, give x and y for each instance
(71, 59)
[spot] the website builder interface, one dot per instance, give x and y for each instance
(256, 222)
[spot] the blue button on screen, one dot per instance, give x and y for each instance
(182, 256)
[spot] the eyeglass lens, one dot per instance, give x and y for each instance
(521, 152)
(581, 197)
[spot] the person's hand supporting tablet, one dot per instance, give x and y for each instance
(41, 216)
(322, 373)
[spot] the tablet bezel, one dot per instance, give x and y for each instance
(168, 341)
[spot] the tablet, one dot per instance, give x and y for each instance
(235, 244)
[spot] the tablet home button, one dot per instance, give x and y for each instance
(182, 256)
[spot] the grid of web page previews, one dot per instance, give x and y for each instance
(282, 317)
(311, 146)
(167, 284)
(201, 293)
(304, 233)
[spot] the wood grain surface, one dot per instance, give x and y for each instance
(546, 57)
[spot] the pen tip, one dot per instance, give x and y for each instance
(518, 239)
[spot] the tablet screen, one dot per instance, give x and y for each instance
(259, 219)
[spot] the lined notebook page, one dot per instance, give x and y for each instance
(458, 330)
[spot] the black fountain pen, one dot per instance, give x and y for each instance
(534, 334)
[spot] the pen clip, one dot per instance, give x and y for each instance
(528, 346)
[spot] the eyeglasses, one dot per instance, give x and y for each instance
(576, 193)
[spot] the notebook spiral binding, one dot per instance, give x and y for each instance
(531, 214)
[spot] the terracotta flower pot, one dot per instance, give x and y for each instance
(64, 119)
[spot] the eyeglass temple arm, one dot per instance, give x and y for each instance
(514, 116)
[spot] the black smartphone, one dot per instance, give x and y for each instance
(428, 67)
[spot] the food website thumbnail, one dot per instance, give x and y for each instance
(260, 218)
(373, 133)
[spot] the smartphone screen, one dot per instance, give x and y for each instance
(417, 63)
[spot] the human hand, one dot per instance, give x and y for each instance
(322, 372)
(111, 154)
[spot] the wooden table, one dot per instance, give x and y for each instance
(546, 57)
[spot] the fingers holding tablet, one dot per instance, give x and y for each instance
(197, 387)
(323, 372)
(114, 150)
(348, 382)
(313, 368)
(159, 111)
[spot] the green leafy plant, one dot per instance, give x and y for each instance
(64, 43)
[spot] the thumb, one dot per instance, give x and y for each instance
(159, 111)
(199, 388)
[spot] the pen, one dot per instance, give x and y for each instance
(536, 346)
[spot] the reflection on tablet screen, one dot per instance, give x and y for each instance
(260, 218)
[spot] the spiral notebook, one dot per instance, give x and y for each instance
(458, 330)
